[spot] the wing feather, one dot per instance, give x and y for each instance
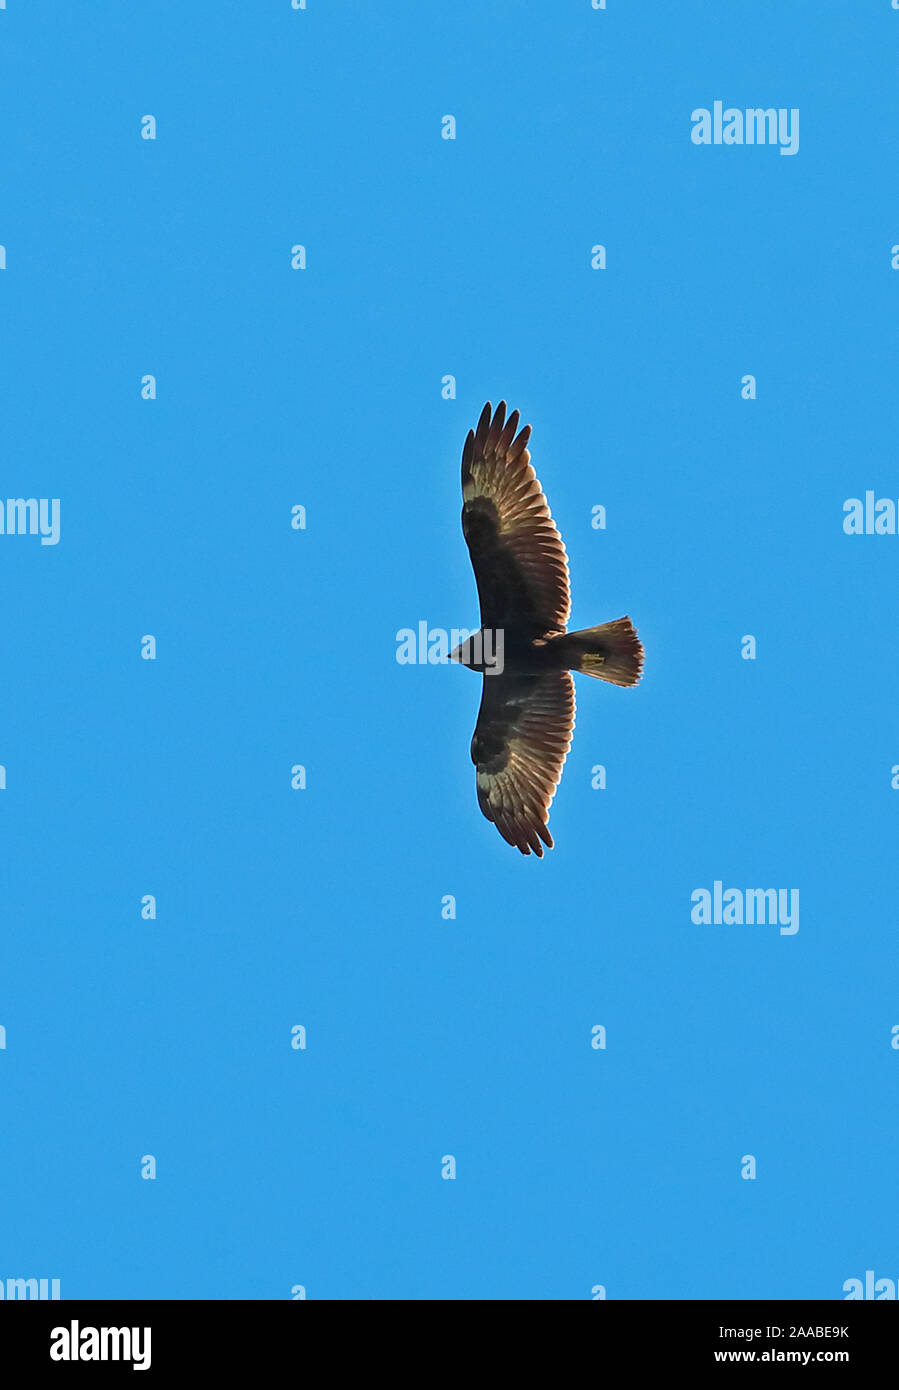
(520, 743)
(520, 563)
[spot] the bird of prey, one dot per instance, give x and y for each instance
(526, 717)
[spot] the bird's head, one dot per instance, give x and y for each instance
(463, 653)
(481, 651)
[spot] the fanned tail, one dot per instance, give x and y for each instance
(611, 652)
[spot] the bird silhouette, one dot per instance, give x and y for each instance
(522, 647)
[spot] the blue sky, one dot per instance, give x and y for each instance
(425, 1037)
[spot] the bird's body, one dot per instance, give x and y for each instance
(523, 648)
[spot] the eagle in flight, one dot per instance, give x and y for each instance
(526, 718)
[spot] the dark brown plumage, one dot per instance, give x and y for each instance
(526, 718)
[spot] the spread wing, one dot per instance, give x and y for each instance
(517, 553)
(520, 743)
